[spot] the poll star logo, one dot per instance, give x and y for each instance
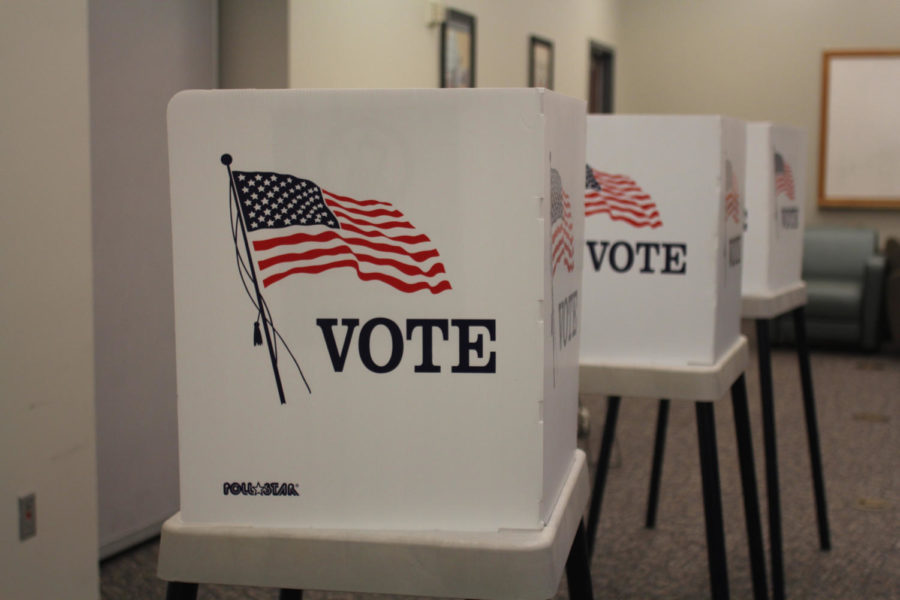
(283, 225)
(267, 488)
(619, 197)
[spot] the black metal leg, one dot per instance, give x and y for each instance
(767, 396)
(749, 488)
(609, 433)
(178, 590)
(659, 445)
(712, 501)
(286, 594)
(812, 428)
(578, 568)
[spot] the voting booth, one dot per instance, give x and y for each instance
(663, 239)
(772, 288)
(376, 305)
(776, 177)
(662, 286)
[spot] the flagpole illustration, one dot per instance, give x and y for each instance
(226, 160)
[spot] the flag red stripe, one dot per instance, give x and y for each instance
(622, 199)
(379, 212)
(563, 231)
(570, 266)
(406, 239)
(299, 238)
(619, 207)
(632, 191)
(611, 179)
(642, 201)
(562, 249)
(732, 200)
(354, 201)
(653, 224)
(403, 286)
(562, 245)
(319, 252)
(385, 225)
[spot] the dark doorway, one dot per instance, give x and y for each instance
(600, 95)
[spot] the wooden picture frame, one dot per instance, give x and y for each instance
(457, 50)
(859, 141)
(540, 62)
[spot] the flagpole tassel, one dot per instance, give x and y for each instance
(257, 335)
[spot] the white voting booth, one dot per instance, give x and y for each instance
(376, 303)
(663, 233)
(662, 294)
(776, 178)
(772, 287)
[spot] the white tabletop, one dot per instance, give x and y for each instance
(768, 305)
(676, 382)
(504, 564)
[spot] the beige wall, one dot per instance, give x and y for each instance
(47, 350)
(364, 43)
(141, 53)
(253, 44)
(759, 60)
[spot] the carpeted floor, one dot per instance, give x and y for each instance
(858, 403)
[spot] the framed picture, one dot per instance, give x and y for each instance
(457, 50)
(859, 137)
(540, 63)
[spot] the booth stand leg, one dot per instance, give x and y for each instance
(812, 428)
(178, 590)
(769, 438)
(578, 568)
(609, 433)
(659, 446)
(712, 501)
(749, 488)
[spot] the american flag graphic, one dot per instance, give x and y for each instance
(619, 197)
(562, 238)
(784, 177)
(732, 198)
(295, 226)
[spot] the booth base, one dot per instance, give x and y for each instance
(773, 304)
(687, 382)
(524, 564)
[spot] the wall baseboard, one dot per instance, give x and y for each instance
(110, 549)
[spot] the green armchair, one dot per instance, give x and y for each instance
(844, 277)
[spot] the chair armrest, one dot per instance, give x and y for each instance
(873, 293)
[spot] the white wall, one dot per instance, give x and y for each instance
(47, 350)
(759, 60)
(356, 43)
(141, 53)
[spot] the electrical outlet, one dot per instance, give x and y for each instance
(27, 517)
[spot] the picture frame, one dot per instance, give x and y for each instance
(540, 62)
(457, 66)
(859, 134)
